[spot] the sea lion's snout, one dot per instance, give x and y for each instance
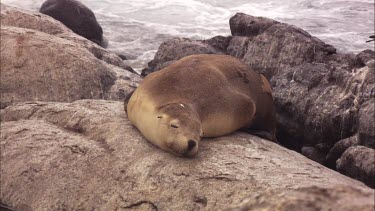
(191, 145)
(191, 148)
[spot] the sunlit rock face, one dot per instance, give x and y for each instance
(44, 60)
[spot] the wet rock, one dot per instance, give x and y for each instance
(86, 155)
(77, 17)
(338, 149)
(358, 162)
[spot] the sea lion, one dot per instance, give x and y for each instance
(201, 96)
(77, 17)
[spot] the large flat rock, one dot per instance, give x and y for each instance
(86, 155)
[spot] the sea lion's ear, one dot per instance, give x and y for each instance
(159, 117)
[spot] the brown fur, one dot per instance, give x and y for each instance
(219, 94)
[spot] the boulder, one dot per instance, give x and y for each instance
(314, 154)
(177, 48)
(273, 46)
(11, 16)
(366, 130)
(358, 162)
(86, 155)
(43, 60)
(338, 149)
(77, 17)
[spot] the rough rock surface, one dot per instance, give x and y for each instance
(43, 60)
(366, 130)
(176, 48)
(321, 96)
(306, 199)
(338, 149)
(11, 16)
(358, 162)
(86, 155)
(272, 46)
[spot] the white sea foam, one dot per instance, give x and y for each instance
(137, 27)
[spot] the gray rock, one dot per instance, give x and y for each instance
(275, 46)
(86, 155)
(317, 103)
(314, 154)
(358, 162)
(366, 130)
(177, 48)
(246, 25)
(338, 149)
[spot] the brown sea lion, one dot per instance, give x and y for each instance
(201, 96)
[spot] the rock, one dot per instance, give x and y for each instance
(314, 154)
(246, 25)
(338, 149)
(220, 43)
(317, 103)
(311, 198)
(237, 46)
(366, 129)
(177, 48)
(11, 16)
(274, 46)
(365, 56)
(52, 65)
(77, 17)
(358, 162)
(86, 155)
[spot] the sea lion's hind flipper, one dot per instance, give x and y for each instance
(126, 100)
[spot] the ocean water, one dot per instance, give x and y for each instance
(136, 28)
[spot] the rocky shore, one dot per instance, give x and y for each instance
(66, 143)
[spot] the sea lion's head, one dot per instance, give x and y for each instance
(180, 129)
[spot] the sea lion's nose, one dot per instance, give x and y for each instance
(191, 145)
